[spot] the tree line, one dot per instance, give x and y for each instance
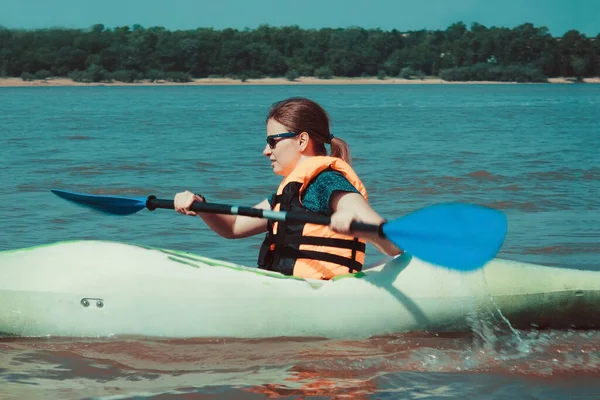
(129, 54)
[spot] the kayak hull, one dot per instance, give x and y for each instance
(100, 289)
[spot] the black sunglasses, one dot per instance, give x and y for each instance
(272, 140)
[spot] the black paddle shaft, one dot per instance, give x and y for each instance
(288, 216)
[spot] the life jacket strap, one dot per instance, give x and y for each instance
(290, 252)
(355, 245)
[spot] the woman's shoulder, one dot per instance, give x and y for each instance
(318, 193)
(331, 178)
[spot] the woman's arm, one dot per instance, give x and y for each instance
(228, 226)
(348, 207)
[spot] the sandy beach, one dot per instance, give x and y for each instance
(18, 82)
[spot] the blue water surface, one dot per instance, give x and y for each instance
(529, 150)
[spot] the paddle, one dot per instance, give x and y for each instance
(453, 235)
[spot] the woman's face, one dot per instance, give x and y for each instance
(286, 152)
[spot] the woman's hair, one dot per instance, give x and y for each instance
(299, 114)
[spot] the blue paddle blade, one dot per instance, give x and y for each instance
(457, 236)
(115, 205)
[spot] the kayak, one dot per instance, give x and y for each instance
(101, 288)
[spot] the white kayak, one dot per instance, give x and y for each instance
(99, 289)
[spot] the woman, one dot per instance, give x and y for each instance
(297, 133)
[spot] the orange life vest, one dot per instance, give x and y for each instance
(310, 250)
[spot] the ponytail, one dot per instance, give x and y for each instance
(340, 149)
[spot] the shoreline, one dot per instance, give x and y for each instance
(54, 82)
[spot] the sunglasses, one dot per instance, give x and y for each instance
(272, 140)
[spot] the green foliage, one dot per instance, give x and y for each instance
(409, 73)
(323, 73)
(94, 73)
(579, 68)
(381, 75)
(488, 72)
(180, 77)
(292, 75)
(127, 76)
(254, 74)
(43, 74)
(26, 76)
(305, 70)
(156, 75)
(77, 76)
(128, 54)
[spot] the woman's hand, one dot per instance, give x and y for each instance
(184, 200)
(350, 207)
(341, 221)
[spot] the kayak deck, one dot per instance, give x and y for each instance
(97, 288)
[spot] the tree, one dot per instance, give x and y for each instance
(579, 66)
(274, 51)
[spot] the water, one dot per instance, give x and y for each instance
(530, 150)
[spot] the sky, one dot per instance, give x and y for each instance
(404, 15)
